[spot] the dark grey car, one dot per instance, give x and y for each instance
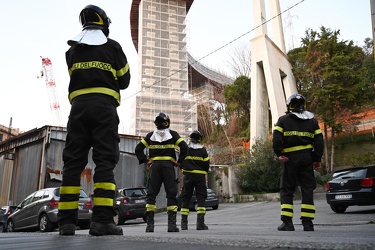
(351, 187)
(130, 204)
(38, 211)
(212, 200)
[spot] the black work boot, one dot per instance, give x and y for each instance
(172, 226)
(184, 222)
(286, 226)
(67, 229)
(150, 221)
(307, 225)
(99, 229)
(200, 222)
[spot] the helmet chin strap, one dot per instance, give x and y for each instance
(106, 31)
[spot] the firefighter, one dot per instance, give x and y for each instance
(195, 168)
(161, 161)
(298, 144)
(98, 70)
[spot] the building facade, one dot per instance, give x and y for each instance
(33, 160)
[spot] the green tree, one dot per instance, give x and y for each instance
(237, 97)
(369, 73)
(330, 74)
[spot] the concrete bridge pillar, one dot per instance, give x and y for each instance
(272, 81)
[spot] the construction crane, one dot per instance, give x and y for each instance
(47, 73)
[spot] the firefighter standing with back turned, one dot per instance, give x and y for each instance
(162, 159)
(298, 144)
(98, 69)
(195, 168)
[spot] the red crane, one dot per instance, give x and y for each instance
(47, 72)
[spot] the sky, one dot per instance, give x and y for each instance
(35, 28)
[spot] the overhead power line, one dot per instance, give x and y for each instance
(216, 50)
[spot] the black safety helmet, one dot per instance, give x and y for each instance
(94, 17)
(195, 136)
(162, 121)
(296, 103)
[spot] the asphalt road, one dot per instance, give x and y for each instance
(233, 226)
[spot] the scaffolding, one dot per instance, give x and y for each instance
(163, 68)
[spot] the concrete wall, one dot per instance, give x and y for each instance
(222, 179)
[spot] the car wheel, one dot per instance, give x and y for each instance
(118, 219)
(121, 221)
(339, 209)
(2, 228)
(10, 226)
(45, 225)
(215, 207)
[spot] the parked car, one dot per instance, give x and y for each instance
(130, 204)
(351, 187)
(38, 211)
(211, 201)
(5, 211)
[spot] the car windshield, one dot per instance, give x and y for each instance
(351, 173)
(134, 192)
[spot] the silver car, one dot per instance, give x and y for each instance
(39, 212)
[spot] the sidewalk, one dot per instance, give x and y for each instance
(276, 196)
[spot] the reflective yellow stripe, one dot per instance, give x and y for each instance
(288, 214)
(194, 171)
(206, 159)
(101, 201)
(70, 189)
(100, 22)
(201, 210)
(105, 186)
(150, 208)
(67, 205)
(278, 128)
(162, 158)
(296, 148)
(178, 141)
(185, 211)
(194, 158)
(308, 215)
(161, 146)
(144, 143)
(308, 206)
(290, 206)
(299, 133)
(318, 131)
(97, 90)
(122, 71)
(93, 64)
(172, 208)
